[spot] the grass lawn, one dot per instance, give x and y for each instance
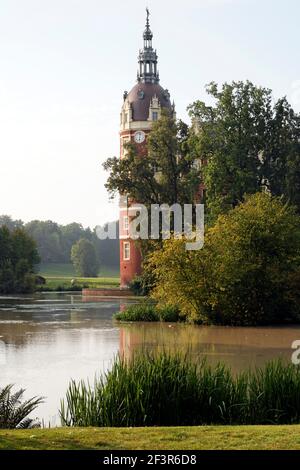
(67, 270)
(180, 438)
(61, 275)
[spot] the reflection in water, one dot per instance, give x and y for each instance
(48, 339)
(240, 348)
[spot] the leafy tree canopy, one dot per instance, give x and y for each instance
(18, 259)
(54, 241)
(84, 258)
(247, 143)
(166, 174)
(248, 272)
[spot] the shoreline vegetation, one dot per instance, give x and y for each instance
(148, 312)
(163, 401)
(173, 390)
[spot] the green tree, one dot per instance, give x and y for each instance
(10, 223)
(48, 238)
(166, 174)
(108, 250)
(54, 241)
(247, 144)
(84, 258)
(18, 260)
(248, 272)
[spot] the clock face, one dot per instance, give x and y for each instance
(139, 137)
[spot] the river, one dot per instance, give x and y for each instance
(47, 339)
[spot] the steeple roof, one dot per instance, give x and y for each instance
(147, 90)
(147, 72)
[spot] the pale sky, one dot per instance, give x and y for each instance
(64, 65)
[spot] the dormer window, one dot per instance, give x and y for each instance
(155, 116)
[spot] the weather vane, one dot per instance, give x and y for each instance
(148, 14)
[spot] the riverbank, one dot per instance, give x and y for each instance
(164, 438)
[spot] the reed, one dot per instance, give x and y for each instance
(171, 390)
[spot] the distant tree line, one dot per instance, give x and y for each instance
(18, 260)
(54, 241)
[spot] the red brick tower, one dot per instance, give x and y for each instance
(141, 106)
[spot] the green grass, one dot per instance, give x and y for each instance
(59, 277)
(67, 270)
(167, 438)
(61, 283)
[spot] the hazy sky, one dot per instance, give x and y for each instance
(64, 65)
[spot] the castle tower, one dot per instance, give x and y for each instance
(141, 107)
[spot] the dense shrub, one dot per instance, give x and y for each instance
(247, 273)
(137, 286)
(141, 312)
(165, 390)
(149, 312)
(143, 284)
(169, 313)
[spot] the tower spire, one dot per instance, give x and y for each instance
(147, 72)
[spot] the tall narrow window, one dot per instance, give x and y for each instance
(155, 116)
(126, 251)
(126, 222)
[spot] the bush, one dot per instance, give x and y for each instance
(169, 313)
(142, 312)
(247, 272)
(137, 286)
(165, 390)
(143, 284)
(149, 312)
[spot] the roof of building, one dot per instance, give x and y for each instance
(140, 97)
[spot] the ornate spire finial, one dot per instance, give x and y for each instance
(148, 72)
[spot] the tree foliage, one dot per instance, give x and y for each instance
(247, 143)
(84, 258)
(248, 272)
(54, 241)
(165, 175)
(18, 259)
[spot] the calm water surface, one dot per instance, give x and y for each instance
(47, 339)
